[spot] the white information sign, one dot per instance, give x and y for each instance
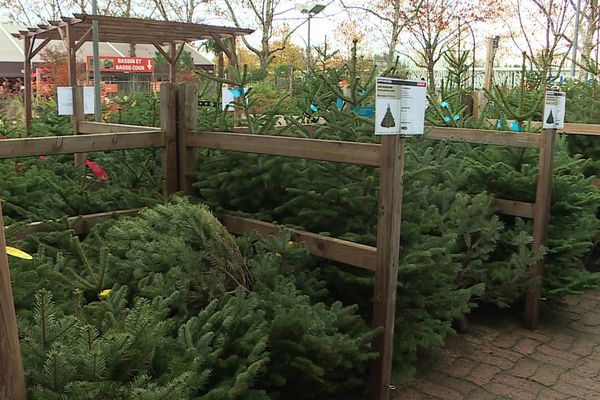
(554, 110)
(400, 106)
(227, 98)
(65, 100)
(88, 99)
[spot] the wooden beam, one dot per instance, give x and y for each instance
(313, 149)
(181, 47)
(481, 136)
(158, 25)
(187, 98)
(105, 127)
(221, 45)
(38, 49)
(12, 378)
(541, 221)
(388, 254)
(38, 146)
(343, 251)
(80, 224)
(582, 129)
(168, 123)
(161, 51)
(512, 207)
(84, 38)
(28, 95)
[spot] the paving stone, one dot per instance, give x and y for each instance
(584, 347)
(562, 342)
(519, 383)
(547, 374)
(551, 394)
(526, 346)
(461, 367)
(483, 374)
(439, 391)
(524, 368)
(510, 392)
(565, 355)
(506, 341)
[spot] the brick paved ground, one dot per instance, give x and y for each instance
(498, 359)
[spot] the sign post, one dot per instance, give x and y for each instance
(400, 110)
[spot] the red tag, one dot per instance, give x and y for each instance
(2, 137)
(97, 170)
(43, 158)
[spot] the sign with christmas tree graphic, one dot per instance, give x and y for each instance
(554, 110)
(400, 106)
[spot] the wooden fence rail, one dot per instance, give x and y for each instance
(38, 146)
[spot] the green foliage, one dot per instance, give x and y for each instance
(269, 343)
(184, 63)
(454, 249)
(35, 189)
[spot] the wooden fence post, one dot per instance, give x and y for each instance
(28, 96)
(541, 219)
(12, 380)
(388, 251)
(78, 117)
(168, 123)
(187, 121)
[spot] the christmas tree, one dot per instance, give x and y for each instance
(388, 120)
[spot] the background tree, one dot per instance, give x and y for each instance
(588, 29)
(390, 19)
(435, 28)
(542, 33)
(262, 14)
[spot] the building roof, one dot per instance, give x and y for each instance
(11, 48)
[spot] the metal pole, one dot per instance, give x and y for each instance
(96, 51)
(576, 38)
(308, 58)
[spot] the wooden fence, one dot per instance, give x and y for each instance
(179, 141)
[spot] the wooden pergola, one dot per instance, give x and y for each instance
(76, 30)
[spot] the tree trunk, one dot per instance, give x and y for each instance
(431, 77)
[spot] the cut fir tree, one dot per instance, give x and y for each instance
(388, 119)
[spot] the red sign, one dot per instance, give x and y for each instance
(111, 88)
(122, 64)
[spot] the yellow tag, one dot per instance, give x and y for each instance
(11, 251)
(105, 293)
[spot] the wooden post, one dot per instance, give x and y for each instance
(187, 122)
(77, 117)
(168, 123)
(489, 69)
(173, 63)
(12, 380)
(28, 104)
(72, 60)
(541, 219)
(477, 104)
(388, 251)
